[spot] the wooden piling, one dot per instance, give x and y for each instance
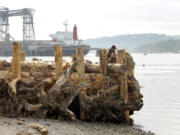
(16, 67)
(73, 57)
(58, 61)
(121, 59)
(80, 63)
(81, 76)
(103, 61)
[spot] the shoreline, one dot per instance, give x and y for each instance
(20, 126)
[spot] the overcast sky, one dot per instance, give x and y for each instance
(97, 18)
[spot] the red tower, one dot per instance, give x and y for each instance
(75, 36)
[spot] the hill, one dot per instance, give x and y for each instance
(167, 46)
(129, 42)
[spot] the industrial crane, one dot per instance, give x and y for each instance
(28, 25)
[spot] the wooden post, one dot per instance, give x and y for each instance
(16, 67)
(58, 61)
(80, 63)
(103, 61)
(22, 56)
(121, 59)
(73, 57)
(81, 76)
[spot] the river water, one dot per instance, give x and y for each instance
(159, 77)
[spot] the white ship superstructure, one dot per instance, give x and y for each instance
(66, 38)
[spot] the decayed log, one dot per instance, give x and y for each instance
(106, 106)
(63, 79)
(108, 92)
(31, 107)
(89, 68)
(111, 68)
(105, 82)
(133, 89)
(12, 87)
(130, 105)
(95, 99)
(61, 99)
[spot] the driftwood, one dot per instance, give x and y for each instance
(106, 106)
(39, 128)
(12, 86)
(59, 98)
(31, 107)
(111, 68)
(96, 97)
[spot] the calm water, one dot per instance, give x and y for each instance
(160, 82)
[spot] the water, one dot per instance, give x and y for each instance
(159, 79)
(160, 86)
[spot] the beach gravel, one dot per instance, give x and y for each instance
(10, 126)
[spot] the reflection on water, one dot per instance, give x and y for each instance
(160, 80)
(159, 76)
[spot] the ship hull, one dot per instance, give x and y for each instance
(41, 49)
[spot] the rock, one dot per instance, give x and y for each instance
(19, 133)
(21, 123)
(20, 119)
(35, 59)
(14, 121)
(39, 128)
(8, 123)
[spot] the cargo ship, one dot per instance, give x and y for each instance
(67, 39)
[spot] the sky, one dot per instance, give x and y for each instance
(98, 18)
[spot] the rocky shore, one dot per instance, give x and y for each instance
(20, 126)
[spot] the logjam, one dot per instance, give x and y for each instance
(37, 92)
